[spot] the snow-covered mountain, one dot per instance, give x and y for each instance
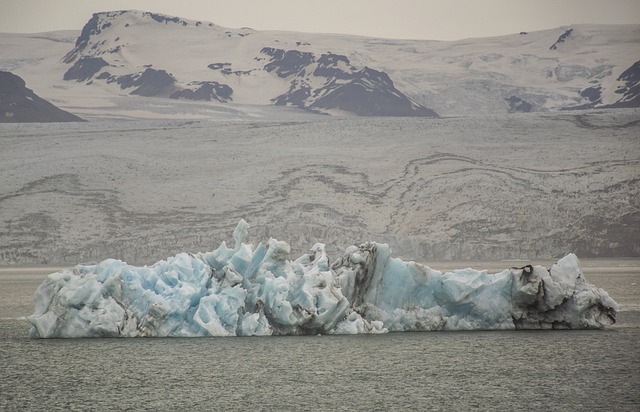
(201, 61)
(151, 55)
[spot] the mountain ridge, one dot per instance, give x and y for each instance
(570, 67)
(333, 73)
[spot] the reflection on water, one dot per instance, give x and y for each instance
(539, 370)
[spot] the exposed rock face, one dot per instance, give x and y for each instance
(287, 63)
(149, 83)
(206, 91)
(334, 65)
(365, 92)
(369, 93)
(516, 104)
(85, 68)
(594, 94)
(561, 39)
(630, 90)
(90, 29)
(18, 104)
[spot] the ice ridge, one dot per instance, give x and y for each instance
(242, 291)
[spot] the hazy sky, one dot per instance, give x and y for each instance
(416, 19)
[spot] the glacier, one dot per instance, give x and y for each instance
(247, 291)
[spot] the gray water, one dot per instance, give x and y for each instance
(530, 370)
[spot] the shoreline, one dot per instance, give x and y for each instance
(622, 265)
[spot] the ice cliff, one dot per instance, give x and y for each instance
(240, 291)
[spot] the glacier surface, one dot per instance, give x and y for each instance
(242, 291)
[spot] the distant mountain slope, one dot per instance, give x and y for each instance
(19, 104)
(547, 70)
(114, 48)
(124, 53)
(630, 87)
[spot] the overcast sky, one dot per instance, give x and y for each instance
(414, 19)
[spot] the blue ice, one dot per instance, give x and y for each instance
(247, 291)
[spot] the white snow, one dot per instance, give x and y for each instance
(242, 291)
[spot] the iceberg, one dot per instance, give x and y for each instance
(247, 291)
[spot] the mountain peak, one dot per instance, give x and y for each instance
(121, 47)
(566, 67)
(121, 19)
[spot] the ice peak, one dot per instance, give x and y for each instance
(240, 233)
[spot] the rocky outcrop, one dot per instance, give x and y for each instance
(149, 83)
(368, 93)
(630, 90)
(85, 68)
(205, 91)
(561, 39)
(516, 104)
(287, 63)
(18, 104)
(365, 92)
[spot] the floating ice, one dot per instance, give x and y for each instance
(240, 291)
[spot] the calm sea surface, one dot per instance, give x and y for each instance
(530, 370)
